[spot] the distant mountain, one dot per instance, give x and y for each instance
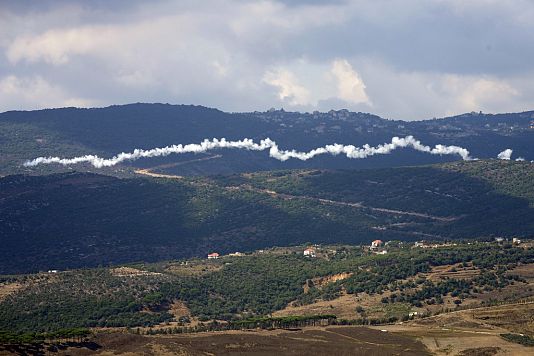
(108, 131)
(80, 219)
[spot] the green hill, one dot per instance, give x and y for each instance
(79, 219)
(108, 131)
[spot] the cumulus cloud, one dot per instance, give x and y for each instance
(35, 93)
(56, 46)
(472, 93)
(350, 86)
(289, 90)
(303, 84)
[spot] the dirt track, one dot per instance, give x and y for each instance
(149, 171)
(342, 203)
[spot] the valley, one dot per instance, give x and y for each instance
(274, 177)
(233, 252)
(74, 220)
(457, 298)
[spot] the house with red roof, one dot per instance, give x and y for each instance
(213, 255)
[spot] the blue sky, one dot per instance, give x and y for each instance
(399, 59)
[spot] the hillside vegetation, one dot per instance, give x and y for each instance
(235, 289)
(76, 220)
(107, 131)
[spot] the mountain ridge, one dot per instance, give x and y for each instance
(108, 131)
(529, 113)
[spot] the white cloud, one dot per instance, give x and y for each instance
(472, 93)
(35, 93)
(57, 46)
(350, 86)
(136, 78)
(289, 90)
(411, 61)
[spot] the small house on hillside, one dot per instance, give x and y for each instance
(376, 243)
(236, 254)
(310, 252)
(213, 256)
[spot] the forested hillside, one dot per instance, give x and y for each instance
(79, 219)
(107, 131)
(236, 289)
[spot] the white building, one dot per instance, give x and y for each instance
(309, 252)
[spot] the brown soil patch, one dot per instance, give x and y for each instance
(8, 288)
(451, 341)
(343, 307)
(526, 271)
(178, 309)
(481, 351)
(320, 282)
(309, 341)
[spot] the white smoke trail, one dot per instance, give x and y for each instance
(282, 155)
(505, 155)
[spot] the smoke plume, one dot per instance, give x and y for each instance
(505, 155)
(247, 144)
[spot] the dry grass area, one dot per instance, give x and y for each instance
(8, 288)
(439, 273)
(178, 309)
(344, 307)
(130, 272)
(443, 341)
(472, 332)
(194, 268)
(310, 341)
(518, 318)
(526, 271)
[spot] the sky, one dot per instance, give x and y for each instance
(409, 59)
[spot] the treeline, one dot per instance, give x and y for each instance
(270, 323)
(61, 335)
(283, 322)
(522, 339)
